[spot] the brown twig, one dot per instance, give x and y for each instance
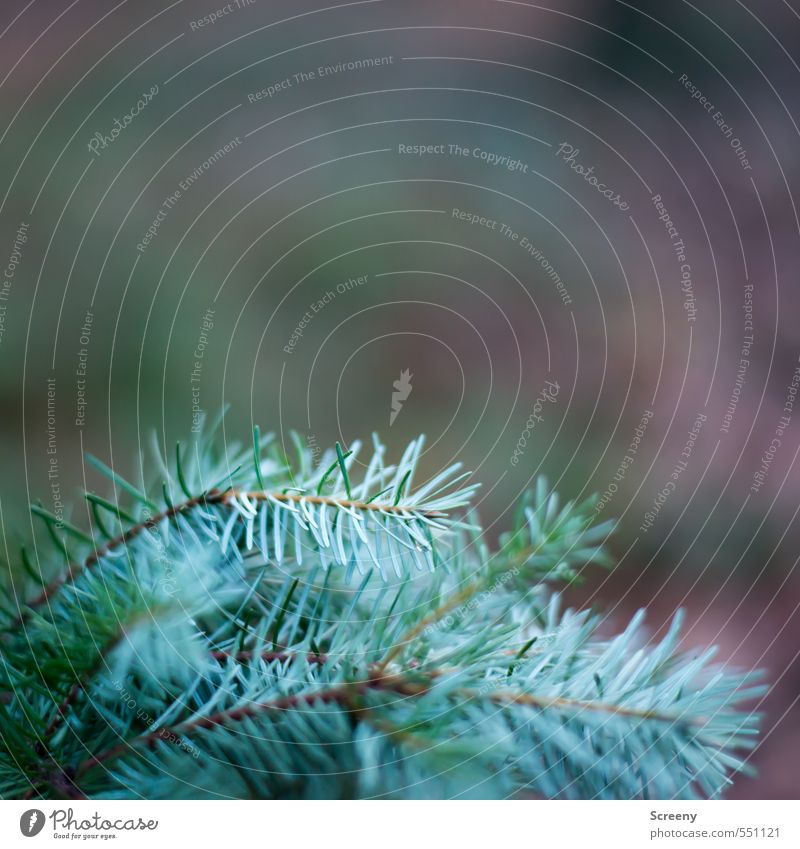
(240, 656)
(342, 693)
(61, 710)
(61, 778)
(531, 699)
(434, 616)
(211, 497)
(347, 694)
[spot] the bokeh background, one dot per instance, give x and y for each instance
(160, 254)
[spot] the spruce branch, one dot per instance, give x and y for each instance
(305, 631)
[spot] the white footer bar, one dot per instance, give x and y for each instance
(410, 825)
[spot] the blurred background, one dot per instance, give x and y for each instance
(573, 226)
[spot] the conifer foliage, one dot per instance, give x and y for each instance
(266, 622)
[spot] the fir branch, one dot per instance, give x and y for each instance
(212, 498)
(119, 541)
(342, 694)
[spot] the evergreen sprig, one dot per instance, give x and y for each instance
(279, 624)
